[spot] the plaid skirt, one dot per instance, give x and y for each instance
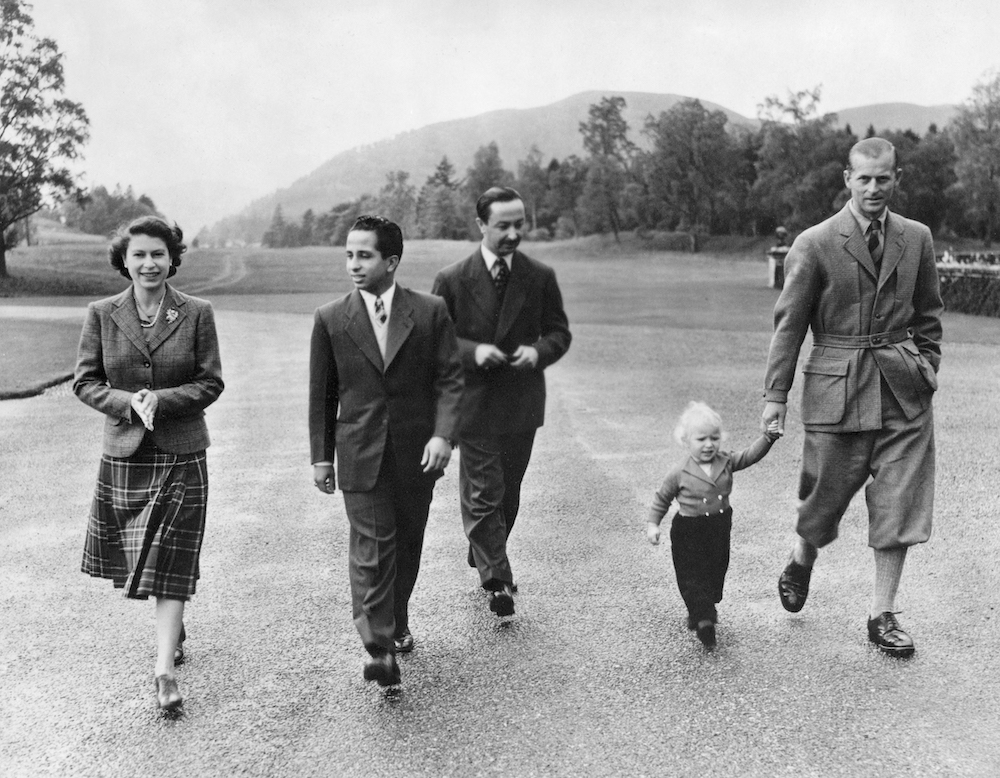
(147, 522)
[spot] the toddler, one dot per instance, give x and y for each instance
(699, 534)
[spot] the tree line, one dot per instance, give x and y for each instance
(696, 172)
(693, 171)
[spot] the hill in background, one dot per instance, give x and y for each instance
(553, 128)
(896, 116)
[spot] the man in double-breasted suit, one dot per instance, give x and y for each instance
(865, 282)
(385, 384)
(510, 322)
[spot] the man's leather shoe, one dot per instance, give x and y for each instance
(706, 634)
(404, 643)
(502, 601)
(884, 631)
(168, 696)
(382, 669)
(793, 586)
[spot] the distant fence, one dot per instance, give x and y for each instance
(970, 282)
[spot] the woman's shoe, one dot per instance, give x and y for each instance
(179, 651)
(168, 696)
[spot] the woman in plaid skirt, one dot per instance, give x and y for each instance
(149, 361)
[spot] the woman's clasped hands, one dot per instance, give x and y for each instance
(144, 404)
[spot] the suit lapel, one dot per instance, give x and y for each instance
(854, 243)
(514, 296)
(359, 328)
(892, 252)
(172, 313)
(127, 319)
(400, 323)
(478, 281)
(691, 467)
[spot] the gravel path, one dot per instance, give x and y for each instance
(594, 676)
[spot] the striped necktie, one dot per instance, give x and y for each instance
(874, 242)
(501, 278)
(380, 310)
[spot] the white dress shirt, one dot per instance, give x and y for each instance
(491, 261)
(381, 329)
(864, 222)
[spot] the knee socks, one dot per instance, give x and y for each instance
(888, 571)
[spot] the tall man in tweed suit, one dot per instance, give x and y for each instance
(385, 385)
(510, 323)
(865, 282)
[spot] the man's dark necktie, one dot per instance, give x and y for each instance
(874, 247)
(501, 278)
(380, 310)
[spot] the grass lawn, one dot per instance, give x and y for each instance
(605, 283)
(36, 353)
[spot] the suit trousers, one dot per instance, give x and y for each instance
(385, 543)
(699, 546)
(899, 459)
(491, 469)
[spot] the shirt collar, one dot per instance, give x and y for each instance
(491, 258)
(864, 221)
(386, 296)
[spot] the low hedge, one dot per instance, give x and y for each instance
(977, 293)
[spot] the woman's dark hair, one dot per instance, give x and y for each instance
(154, 227)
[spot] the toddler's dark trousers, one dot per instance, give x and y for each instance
(700, 548)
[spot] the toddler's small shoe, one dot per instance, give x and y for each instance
(706, 634)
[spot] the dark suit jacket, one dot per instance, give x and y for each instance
(831, 287)
(180, 363)
(503, 400)
(356, 401)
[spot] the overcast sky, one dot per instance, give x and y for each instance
(231, 99)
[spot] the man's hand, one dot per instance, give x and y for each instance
(772, 421)
(525, 358)
(437, 453)
(144, 404)
(653, 533)
(488, 355)
(323, 478)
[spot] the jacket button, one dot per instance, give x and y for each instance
(146, 363)
(147, 385)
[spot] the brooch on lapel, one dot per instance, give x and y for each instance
(171, 315)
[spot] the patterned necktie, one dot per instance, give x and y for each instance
(873, 241)
(500, 279)
(380, 310)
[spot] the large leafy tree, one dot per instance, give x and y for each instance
(487, 171)
(566, 182)
(397, 201)
(533, 183)
(928, 175)
(41, 132)
(605, 137)
(99, 212)
(800, 162)
(441, 208)
(695, 167)
(976, 132)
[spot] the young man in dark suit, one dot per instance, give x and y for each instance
(385, 384)
(865, 282)
(510, 322)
